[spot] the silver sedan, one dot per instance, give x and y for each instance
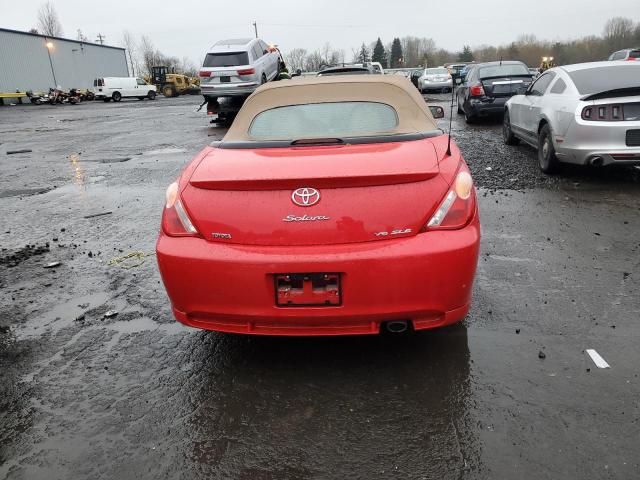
(587, 114)
(435, 79)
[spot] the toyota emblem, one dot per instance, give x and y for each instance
(305, 197)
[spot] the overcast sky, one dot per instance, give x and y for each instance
(189, 27)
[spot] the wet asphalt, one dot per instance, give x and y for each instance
(98, 381)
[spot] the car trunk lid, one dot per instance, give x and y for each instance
(268, 196)
(505, 86)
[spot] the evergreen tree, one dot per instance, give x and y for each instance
(466, 55)
(396, 53)
(380, 54)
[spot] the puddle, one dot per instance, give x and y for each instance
(24, 192)
(62, 315)
(78, 171)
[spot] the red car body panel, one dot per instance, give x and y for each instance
(229, 284)
(365, 189)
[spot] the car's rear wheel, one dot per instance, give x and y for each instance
(547, 158)
(460, 111)
(507, 134)
(264, 79)
(151, 95)
(117, 96)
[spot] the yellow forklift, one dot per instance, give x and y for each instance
(172, 84)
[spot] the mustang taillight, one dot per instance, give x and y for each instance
(458, 207)
(476, 91)
(175, 220)
(606, 113)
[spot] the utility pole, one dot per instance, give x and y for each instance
(255, 27)
(100, 39)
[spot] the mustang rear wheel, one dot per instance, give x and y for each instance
(507, 134)
(546, 152)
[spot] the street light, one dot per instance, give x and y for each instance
(50, 47)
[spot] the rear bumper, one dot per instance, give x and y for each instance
(484, 106)
(426, 279)
(228, 90)
(436, 85)
(584, 142)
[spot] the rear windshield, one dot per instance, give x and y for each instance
(324, 120)
(603, 79)
(634, 54)
(436, 71)
(227, 59)
(503, 71)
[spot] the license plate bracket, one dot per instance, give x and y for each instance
(225, 79)
(308, 289)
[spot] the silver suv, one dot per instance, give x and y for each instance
(235, 68)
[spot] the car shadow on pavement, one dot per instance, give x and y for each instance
(309, 402)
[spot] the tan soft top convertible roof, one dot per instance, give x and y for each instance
(397, 91)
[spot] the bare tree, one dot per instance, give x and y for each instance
(617, 32)
(296, 59)
(131, 49)
(313, 62)
(48, 21)
(148, 53)
(81, 36)
(187, 67)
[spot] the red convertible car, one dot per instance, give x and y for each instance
(331, 207)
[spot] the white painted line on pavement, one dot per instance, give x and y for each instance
(597, 359)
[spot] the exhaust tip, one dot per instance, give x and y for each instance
(596, 162)
(396, 326)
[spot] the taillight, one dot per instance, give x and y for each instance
(175, 220)
(247, 71)
(204, 74)
(458, 207)
(604, 113)
(476, 91)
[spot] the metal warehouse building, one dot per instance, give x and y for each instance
(35, 62)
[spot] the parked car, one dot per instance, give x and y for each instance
(377, 68)
(117, 88)
(235, 68)
(435, 79)
(455, 69)
(488, 86)
(587, 114)
(628, 54)
(534, 71)
(332, 206)
(414, 76)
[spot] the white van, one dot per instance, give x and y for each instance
(117, 88)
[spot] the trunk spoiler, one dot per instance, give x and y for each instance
(617, 92)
